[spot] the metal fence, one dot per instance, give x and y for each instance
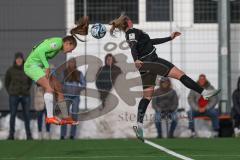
(195, 52)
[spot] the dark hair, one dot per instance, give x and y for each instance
(202, 75)
(70, 39)
(72, 74)
(18, 55)
(113, 58)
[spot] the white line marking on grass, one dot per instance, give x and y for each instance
(118, 156)
(98, 157)
(167, 150)
(215, 155)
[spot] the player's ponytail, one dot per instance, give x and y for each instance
(81, 28)
(120, 23)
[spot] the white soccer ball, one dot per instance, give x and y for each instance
(98, 30)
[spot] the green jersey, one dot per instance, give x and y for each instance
(44, 51)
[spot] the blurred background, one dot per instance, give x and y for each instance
(209, 45)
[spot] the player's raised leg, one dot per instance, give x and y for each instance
(189, 83)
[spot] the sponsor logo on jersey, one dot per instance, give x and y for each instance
(132, 36)
(53, 45)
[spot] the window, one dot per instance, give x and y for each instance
(235, 11)
(205, 11)
(103, 11)
(159, 10)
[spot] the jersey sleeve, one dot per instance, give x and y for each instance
(156, 41)
(132, 37)
(47, 46)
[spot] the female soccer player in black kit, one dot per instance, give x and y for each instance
(150, 65)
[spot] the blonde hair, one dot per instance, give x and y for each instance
(120, 23)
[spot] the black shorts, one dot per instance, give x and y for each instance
(153, 66)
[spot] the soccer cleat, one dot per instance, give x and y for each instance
(207, 94)
(139, 133)
(69, 120)
(52, 120)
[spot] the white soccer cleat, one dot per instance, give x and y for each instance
(207, 94)
(139, 131)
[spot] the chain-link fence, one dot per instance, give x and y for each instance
(195, 52)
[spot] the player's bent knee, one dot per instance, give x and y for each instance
(180, 75)
(176, 73)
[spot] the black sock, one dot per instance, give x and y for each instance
(189, 83)
(142, 107)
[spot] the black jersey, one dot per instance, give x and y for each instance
(141, 44)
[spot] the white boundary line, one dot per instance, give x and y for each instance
(98, 157)
(121, 156)
(167, 150)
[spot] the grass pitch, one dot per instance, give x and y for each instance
(120, 149)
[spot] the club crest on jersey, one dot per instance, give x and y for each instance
(132, 36)
(53, 45)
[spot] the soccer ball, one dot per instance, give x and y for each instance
(98, 30)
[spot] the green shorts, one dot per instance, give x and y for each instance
(35, 72)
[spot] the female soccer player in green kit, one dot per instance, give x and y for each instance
(37, 68)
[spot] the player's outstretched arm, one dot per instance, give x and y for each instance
(157, 41)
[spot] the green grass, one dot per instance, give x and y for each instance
(120, 149)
